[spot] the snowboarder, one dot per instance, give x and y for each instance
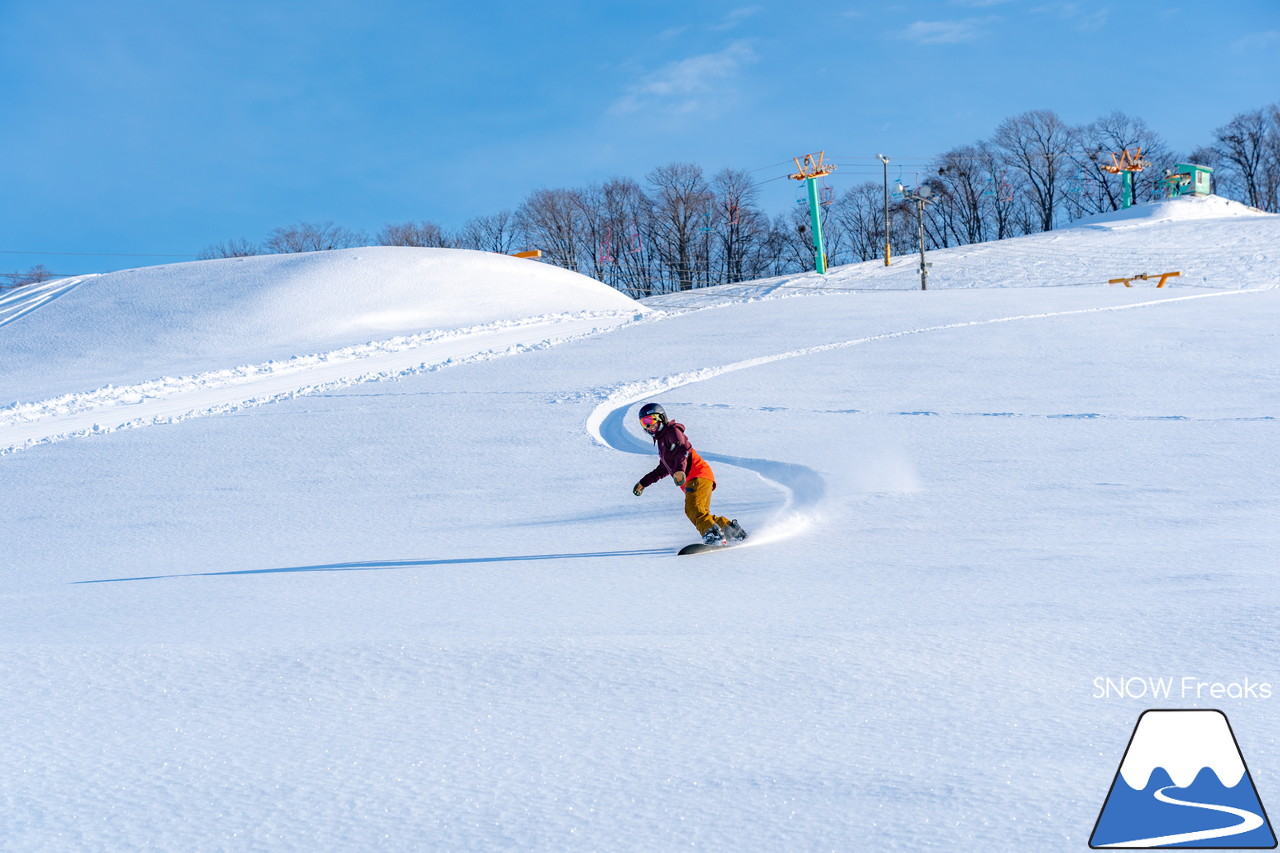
(691, 474)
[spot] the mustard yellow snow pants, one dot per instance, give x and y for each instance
(697, 505)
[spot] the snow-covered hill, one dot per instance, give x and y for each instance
(167, 343)
(193, 317)
(395, 592)
(1214, 243)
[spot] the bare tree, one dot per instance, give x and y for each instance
(552, 221)
(1038, 145)
(793, 241)
(624, 254)
(35, 275)
(1247, 149)
(740, 227)
(858, 219)
(682, 221)
(1270, 189)
(597, 231)
(1006, 206)
(941, 214)
(967, 196)
(420, 234)
(231, 249)
(309, 237)
(495, 232)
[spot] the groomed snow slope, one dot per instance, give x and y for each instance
(427, 613)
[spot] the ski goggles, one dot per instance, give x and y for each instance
(650, 421)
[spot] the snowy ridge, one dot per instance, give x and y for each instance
(130, 327)
(173, 399)
(1169, 210)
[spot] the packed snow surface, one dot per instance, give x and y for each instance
(339, 551)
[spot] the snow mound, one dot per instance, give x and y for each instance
(215, 314)
(1181, 208)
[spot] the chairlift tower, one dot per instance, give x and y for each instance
(1125, 164)
(809, 171)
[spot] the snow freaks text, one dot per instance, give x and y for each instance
(1186, 687)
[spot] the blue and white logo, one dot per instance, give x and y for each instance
(1183, 783)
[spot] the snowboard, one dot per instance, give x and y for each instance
(699, 547)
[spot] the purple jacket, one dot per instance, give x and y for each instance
(675, 453)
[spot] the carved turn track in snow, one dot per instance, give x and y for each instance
(804, 487)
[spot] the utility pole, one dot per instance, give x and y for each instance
(809, 172)
(887, 252)
(921, 196)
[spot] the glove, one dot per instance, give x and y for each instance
(678, 477)
(637, 490)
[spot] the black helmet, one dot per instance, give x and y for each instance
(653, 410)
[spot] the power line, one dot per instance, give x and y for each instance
(95, 254)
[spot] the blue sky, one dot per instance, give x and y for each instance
(158, 128)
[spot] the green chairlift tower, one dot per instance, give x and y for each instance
(809, 171)
(1125, 164)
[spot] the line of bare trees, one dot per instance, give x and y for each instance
(679, 231)
(35, 275)
(1037, 172)
(680, 228)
